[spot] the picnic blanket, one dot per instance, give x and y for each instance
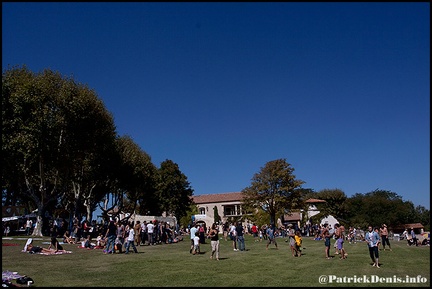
(9, 244)
(30, 240)
(54, 253)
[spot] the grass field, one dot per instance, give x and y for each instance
(171, 265)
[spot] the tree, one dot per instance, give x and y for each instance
(378, 207)
(217, 218)
(136, 173)
(53, 133)
(423, 216)
(187, 218)
(174, 190)
(273, 190)
(335, 204)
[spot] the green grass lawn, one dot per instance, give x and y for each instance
(171, 265)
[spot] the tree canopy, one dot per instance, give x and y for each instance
(273, 190)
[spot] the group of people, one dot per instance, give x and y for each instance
(120, 235)
(131, 235)
(236, 233)
(196, 240)
(53, 248)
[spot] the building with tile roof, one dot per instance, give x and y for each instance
(228, 206)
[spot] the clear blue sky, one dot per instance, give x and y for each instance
(340, 90)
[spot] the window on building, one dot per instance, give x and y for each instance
(229, 210)
(202, 211)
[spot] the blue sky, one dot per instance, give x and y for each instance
(339, 90)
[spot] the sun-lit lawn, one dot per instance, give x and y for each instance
(171, 265)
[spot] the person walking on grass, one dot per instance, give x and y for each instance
(130, 241)
(196, 239)
(193, 230)
(372, 238)
(214, 241)
(271, 236)
(384, 237)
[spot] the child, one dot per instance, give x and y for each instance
(298, 243)
(260, 236)
(86, 243)
(196, 249)
(100, 241)
(340, 247)
(131, 238)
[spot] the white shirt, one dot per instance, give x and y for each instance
(131, 235)
(192, 232)
(150, 228)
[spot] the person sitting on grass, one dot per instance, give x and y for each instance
(55, 245)
(100, 241)
(67, 238)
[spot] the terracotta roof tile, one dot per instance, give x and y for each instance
(217, 198)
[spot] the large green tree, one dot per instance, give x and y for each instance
(378, 207)
(335, 204)
(174, 189)
(274, 190)
(52, 131)
(136, 175)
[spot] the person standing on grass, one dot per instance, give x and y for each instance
(143, 233)
(130, 241)
(372, 238)
(120, 240)
(196, 240)
(29, 224)
(325, 234)
(226, 230)
(202, 231)
(298, 243)
(413, 236)
(110, 236)
(137, 233)
(214, 241)
(271, 236)
(291, 239)
(240, 236)
(254, 230)
(150, 229)
(233, 236)
(337, 236)
(384, 236)
(193, 230)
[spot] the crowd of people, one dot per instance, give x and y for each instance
(124, 237)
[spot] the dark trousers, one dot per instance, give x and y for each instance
(373, 253)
